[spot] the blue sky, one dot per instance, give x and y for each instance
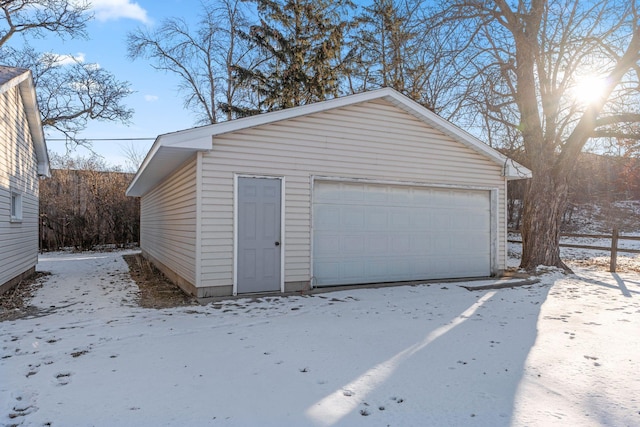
(157, 104)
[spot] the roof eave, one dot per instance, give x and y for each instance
(513, 170)
(23, 79)
(180, 149)
(28, 93)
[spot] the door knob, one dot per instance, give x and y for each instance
(277, 243)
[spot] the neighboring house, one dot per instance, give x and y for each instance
(367, 188)
(23, 159)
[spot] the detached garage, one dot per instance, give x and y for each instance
(367, 188)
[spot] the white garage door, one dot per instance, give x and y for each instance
(369, 233)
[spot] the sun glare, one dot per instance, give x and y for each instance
(589, 89)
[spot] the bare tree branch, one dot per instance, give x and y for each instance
(203, 58)
(61, 17)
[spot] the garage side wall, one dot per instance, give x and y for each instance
(18, 176)
(375, 141)
(168, 226)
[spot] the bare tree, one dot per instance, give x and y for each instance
(381, 41)
(525, 62)
(70, 93)
(134, 156)
(392, 49)
(83, 205)
(201, 58)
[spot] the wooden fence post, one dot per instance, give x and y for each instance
(614, 250)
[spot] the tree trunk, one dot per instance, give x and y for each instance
(544, 202)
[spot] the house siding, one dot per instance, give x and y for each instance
(168, 217)
(374, 140)
(18, 173)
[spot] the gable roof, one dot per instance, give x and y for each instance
(11, 77)
(172, 149)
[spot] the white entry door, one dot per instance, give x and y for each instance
(370, 233)
(259, 248)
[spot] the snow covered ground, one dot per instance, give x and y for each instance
(562, 352)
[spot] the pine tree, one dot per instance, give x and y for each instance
(302, 44)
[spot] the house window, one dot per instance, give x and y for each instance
(16, 206)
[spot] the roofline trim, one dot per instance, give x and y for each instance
(26, 86)
(201, 138)
(28, 92)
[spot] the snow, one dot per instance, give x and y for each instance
(562, 351)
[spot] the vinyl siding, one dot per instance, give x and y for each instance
(18, 173)
(373, 140)
(168, 221)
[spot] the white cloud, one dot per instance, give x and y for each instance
(66, 59)
(106, 10)
(94, 66)
(151, 98)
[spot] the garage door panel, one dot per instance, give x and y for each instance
(399, 196)
(461, 244)
(400, 267)
(353, 192)
(377, 219)
(441, 267)
(328, 270)
(396, 233)
(421, 243)
(476, 264)
(352, 218)
(400, 219)
(421, 219)
(352, 270)
(459, 221)
(377, 197)
(419, 268)
(478, 221)
(441, 239)
(472, 200)
(423, 198)
(377, 244)
(326, 217)
(326, 192)
(353, 244)
(469, 241)
(401, 244)
(377, 269)
(439, 199)
(440, 220)
(326, 244)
